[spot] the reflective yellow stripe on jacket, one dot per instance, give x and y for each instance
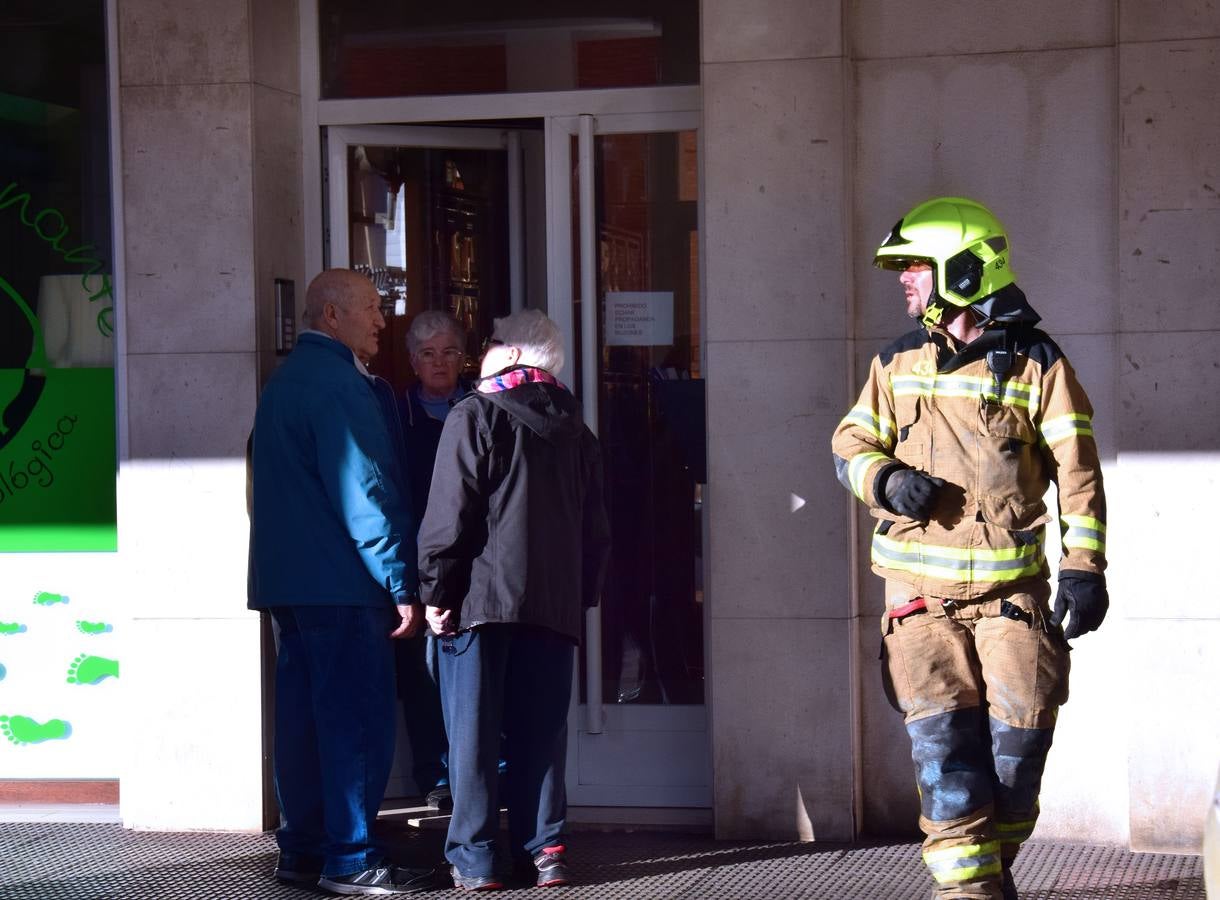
(1084, 532)
(1063, 427)
(1016, 393)
(880, 427)
(960, 564)
(964, 863)
(857, 471)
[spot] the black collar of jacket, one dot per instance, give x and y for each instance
(1012, 318)
(948, 361)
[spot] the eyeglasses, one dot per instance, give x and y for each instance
(449, 355)
(489, 343)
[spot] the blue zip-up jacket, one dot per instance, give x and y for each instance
(331, 521)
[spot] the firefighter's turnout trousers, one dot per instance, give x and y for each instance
(980, 683)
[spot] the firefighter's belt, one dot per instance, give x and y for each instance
(918, 605)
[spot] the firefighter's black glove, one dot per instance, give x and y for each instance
(910, 492)
(1084, 595)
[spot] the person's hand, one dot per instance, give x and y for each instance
(412, 615)
(1084, 595)
(910, 492)
(440, 620)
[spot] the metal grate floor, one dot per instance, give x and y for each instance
(53, 861)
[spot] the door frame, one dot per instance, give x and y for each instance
(329, 126)
(318, 114)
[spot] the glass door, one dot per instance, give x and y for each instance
(480, 221)
(624, 285)
(435, 217)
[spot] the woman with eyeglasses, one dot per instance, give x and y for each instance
(512, 548)
(436, 345)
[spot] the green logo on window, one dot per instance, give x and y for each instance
(21, 388)
(57, 429)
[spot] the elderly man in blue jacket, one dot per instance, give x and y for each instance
(333, 561)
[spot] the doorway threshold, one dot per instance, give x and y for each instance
(414, 813)
(62, 813)
(640, 818)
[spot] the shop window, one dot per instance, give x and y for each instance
(57, 421)
(480, 47)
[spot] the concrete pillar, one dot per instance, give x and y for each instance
(1168, 392)
(1093, 133)
(774, 146)
(210, 120)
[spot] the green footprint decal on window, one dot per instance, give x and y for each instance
(22, 730)
(86, 669)
(46, 598)
(11, 628)
(93, 627)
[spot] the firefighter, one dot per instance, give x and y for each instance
(959, 431)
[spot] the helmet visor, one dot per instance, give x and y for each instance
(895, 252)
(901, 263)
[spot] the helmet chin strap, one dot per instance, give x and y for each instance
(934, 315)
(934, 311)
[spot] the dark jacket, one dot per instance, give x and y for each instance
(422, 435)
(330, 522)
(516, 527)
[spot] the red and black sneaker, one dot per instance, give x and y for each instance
(552, 867)
(475, 882)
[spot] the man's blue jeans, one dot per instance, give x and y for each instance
(334, 731)
(516, 679)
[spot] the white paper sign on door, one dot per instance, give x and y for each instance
(639, 318)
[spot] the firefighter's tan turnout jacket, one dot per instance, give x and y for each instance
(998, 441)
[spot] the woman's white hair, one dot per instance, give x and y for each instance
(536, 336)
(428, 324)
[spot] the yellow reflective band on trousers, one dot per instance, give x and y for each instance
(1063, 427)
(969, 565)
(858, 468)
(1084, 531)
(1016, 393)
(1014, 832)
(964, 863)
(880, 427)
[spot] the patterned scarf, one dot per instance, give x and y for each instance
(515, 376)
